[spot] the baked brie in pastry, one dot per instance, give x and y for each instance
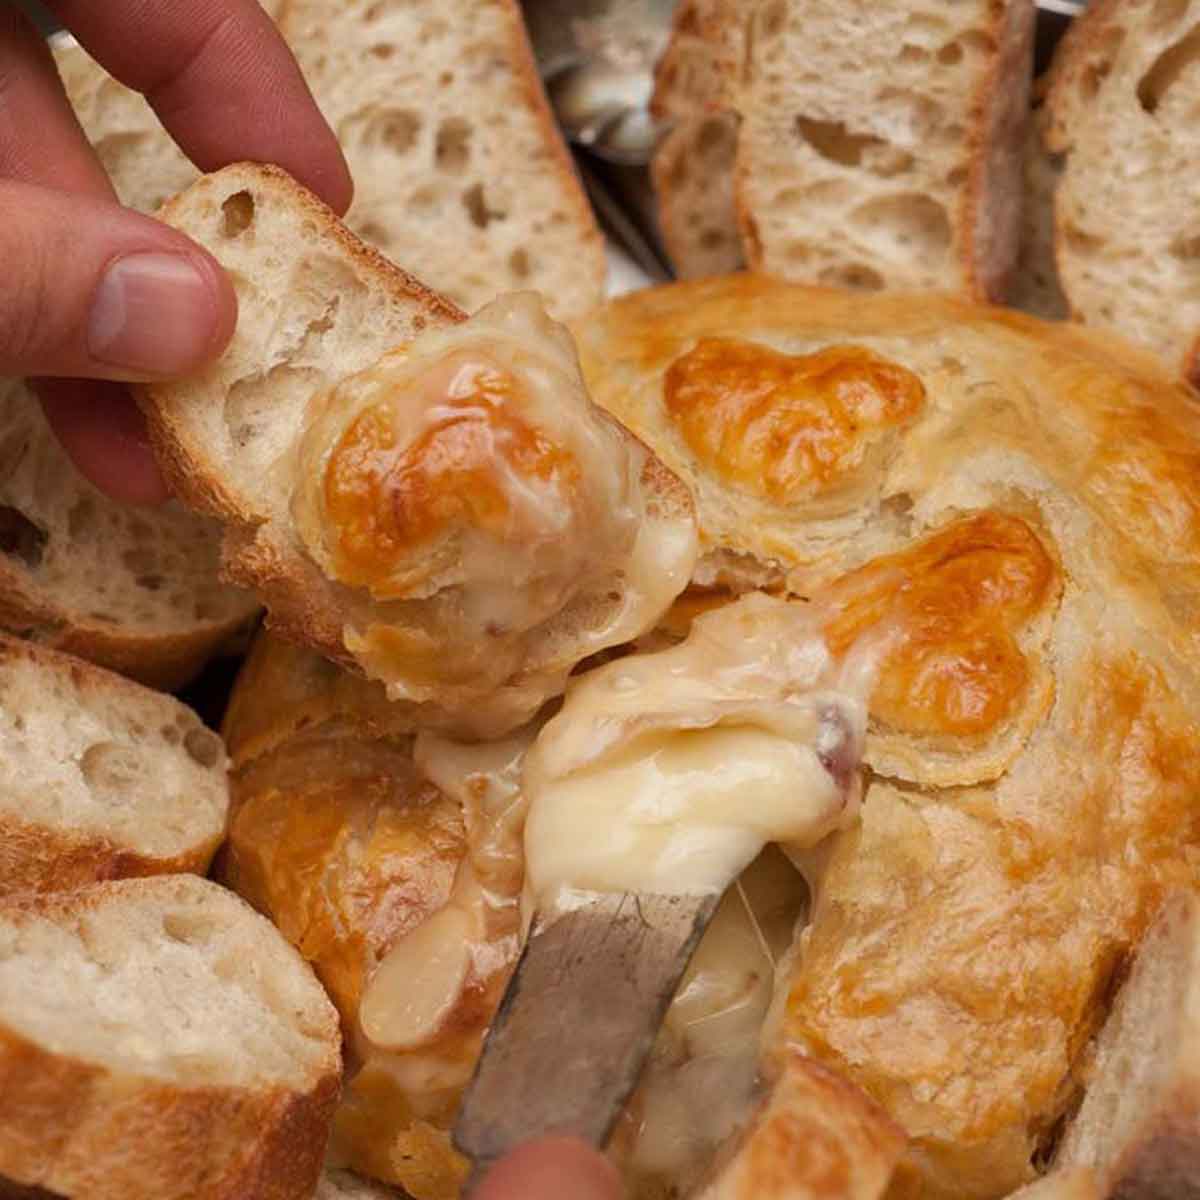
(1009, 540)
(488, 526)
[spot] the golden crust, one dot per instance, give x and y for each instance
(963, 937)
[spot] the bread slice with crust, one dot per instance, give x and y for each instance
(692, 169)
(460, 171)
(1138, 1128)
(880, 145)
(1125, 108)
(100, 778)
(160, 1038)
(132, 589)
(406, 602)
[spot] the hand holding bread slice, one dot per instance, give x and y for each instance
(429, 499)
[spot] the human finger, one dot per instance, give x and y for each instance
(221, 79)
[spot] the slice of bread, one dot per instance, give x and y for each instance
(460, 172)
(1139, 1125)
(1125, 109)
(133, 589)
(483, 615)
(693, 168)
(880, 145)
(160, 1038)
(100, 778)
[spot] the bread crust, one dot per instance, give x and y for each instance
(40, 857)
(81, 1128)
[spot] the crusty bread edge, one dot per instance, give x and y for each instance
(93, 1110)
(187, 466)
(999, 116)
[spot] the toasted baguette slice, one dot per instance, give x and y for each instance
(880, 144)
(133, 589)
(693, 168)
(160, 1038)
(477, 614)
(1139, 1125)
(100, 778)
(1123, 103)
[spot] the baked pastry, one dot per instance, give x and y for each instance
(432, 500)
(1013, 562)
(100, 778)
(158, 1038)
(1031, 533)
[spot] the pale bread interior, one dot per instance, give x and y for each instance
(172, 978)
(88, 752)
(153, 570)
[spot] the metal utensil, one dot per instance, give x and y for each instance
(578, 1020)
(596, 58)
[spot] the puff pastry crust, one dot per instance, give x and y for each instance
(1002, 518)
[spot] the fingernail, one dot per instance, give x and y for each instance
(153, 314)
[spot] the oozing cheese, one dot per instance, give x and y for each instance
(466, 491)
(669, 772)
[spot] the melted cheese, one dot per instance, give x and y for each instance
(467, 492)
(669, 772)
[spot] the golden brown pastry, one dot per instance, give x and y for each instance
(427, 498)
(1023, 535)
(999, 522)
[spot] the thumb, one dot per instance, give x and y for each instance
(551, 1168)
(92, 289)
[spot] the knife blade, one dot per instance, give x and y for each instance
(594, 979)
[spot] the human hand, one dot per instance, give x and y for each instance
(556, 1168)
(94, 291)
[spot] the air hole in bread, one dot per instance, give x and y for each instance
(714, 136)
(395, 129)
(111, 769)
(203, 747)
(950, 54)
(1080, 242)
(373, 232)
(713, 239)
(170, 734)
(856, 276)
(423, 201)
(384, 50)
(1167, 69)
(957, 176)
(475, 202)
(20, 537)
(140, 559)
(913, 54)
(518, 263)
(1102, 57)
(910, 220)
(772, 20)
(1186, 247)
(977, 41)
(832, 140)
(452, 146)
(150, 583)
(237, 214)
(190, 926)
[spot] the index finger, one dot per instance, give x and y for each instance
(221, 79)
